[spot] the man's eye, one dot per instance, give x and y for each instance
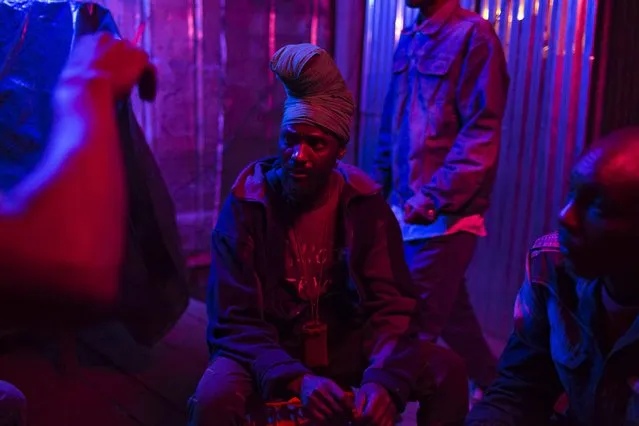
(319, 145)
(605, 208)
(595, 211)
(287, 140)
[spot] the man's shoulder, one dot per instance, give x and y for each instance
(360, 182)
(546, 243)
(251, 182)
(548, 274)
(479, 26)
(474, 19)
(545, 264)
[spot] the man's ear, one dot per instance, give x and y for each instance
(342, 152)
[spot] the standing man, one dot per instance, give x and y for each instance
(437, 159)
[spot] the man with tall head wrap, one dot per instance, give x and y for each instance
(437, 159)
(309, 291)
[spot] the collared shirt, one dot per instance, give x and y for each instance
(443, 225)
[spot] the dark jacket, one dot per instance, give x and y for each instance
(441, 123)
(35, 41)
(246, 296)
(554, 349)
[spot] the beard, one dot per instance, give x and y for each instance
(303, 197)
(293, 195)
(296, 196)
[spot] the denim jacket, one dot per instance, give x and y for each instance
(554, 349)
(441, 124)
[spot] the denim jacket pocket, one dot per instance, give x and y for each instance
(435, 65)
(436, 85)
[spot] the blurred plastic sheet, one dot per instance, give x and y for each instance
(35, 41)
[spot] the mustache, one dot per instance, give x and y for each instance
(296, 164)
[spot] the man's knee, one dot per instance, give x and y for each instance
(216, 406)
(13, 405)
(449, 372)
(444, 386)
(221, 396)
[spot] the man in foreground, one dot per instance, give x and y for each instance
(309, 292)
(576, 315)
(437, 159)
(62, 227)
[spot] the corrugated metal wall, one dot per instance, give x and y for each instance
(548, 44)
(218, 105)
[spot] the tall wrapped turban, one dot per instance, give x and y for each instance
(315, 89)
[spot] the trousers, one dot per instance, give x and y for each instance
(226, 390)
(438, 267)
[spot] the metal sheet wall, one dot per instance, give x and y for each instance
(548, 45)
(218, 106)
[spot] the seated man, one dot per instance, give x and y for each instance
(60, 254)
(309, 291)
(576, 316)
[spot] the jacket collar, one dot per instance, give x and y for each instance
(251, 184)
(432, 25)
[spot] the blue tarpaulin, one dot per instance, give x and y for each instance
(35, 41)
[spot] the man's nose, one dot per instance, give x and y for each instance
(301, 153)
(568, 216)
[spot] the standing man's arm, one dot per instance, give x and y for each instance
(480, 100)
(62, 228)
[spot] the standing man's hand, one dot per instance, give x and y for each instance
(323, 399)
(374, 406)
(419, 210)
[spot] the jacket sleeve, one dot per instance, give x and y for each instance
(237, 328)
(391, 308)
(527, 385)
(480, 101)
(382, 165)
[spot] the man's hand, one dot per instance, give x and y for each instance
(419, 210)
(323, 399)
(102, 56)
(374, 406)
